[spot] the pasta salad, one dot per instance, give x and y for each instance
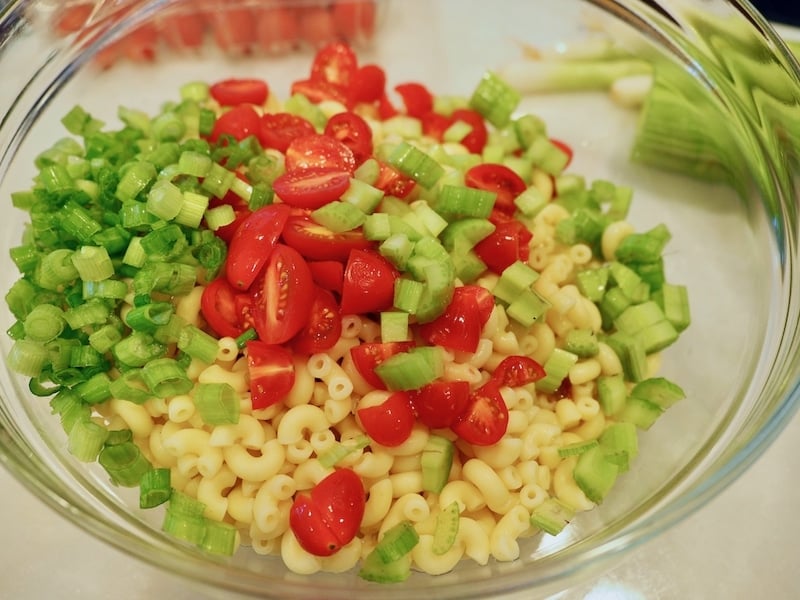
(349, 333)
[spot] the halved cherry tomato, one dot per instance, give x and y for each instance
(509, 242)
(312, 187)
(499, 179)
(317, 151)
(484, 299)
(239, 122)
(434, 125)
(475, 140)
(282, 296)
(324, 327)
(417, 99)
(252, 243)
(319, 90)
(330, 516)
(230, 92)
(317, 242)
(386, 110)
(485, 419)
(517, 370)
(390, 422)
(335, 63)
(224, 309)
(327, 274)
(565, 148)
(368, 84)
(368, 283)
(438, 403)
(352, 131)
(393, 182)
(459, 326)
(271, 371)
(369, 355)
(279, 129)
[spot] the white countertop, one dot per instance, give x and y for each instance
(742, 545)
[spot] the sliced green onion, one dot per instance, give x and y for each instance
(86, 439)
(416, 164)
(217, 403)
(165, 199)
(198, 344)
(495, 99)
(552, 515)
(446, 530)
(27, 357)
(125, 463)
(220, 538)
(130, 386)
(165, 377)
(154, 488)
(44, 323)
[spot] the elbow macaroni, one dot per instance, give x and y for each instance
(248, 473)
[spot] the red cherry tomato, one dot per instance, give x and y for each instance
(437, 404)
(183, 31)
(277, 28)
(393, 182)
(368, 283)
(368, 85)
(509, 242)
(224, 309)
(140, 44)
(335, 63)
(499, 179)
(279, 129)
(231, 92)
(459, 326)
(317, 242)
(352, 131)
(485, 419)
(317, 151)
(327, 274)
(311, 188)
(354, 20)
(417, 99)
(475, 140)
(330, 516)
(317, 26)
(369, 355)
(390, 422)
(565, 148)
(252, 244)
(71, 17)
(324, 327)
(282, 296)
(271, 371)
(233, 29)
(515, 370)
(239, 122)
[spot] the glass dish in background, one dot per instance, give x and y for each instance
(735, 248)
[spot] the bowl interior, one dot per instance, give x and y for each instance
(723, 248)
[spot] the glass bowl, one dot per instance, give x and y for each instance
(733, 221)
